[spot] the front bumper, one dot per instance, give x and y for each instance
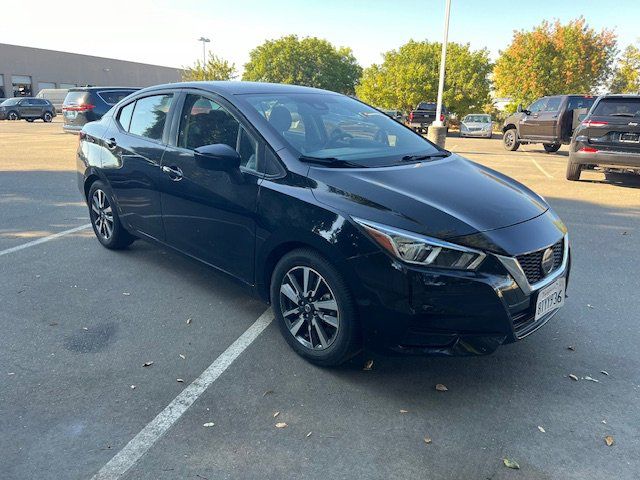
(476, 134)
(415, 310)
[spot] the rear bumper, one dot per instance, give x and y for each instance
(602, 158)
(72, 128)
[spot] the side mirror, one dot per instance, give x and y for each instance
(218, 157)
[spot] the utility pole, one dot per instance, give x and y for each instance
(204, 49)
(437, 133)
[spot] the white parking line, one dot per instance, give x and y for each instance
(44, 239)
(151, 433)
(530, 155)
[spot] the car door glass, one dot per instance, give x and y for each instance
(149, 116)
(537, 106)
(124, 117)
(553, 105)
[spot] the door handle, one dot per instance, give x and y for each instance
(174, 173)
(111, 144)
(554, 116)
(535, 116)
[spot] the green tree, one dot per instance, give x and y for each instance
(309, 61)
(554, 59)
(626, 76)
(410, 75)
(216, 68)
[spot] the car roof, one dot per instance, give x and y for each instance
(241, 88)
(92, 89)
(620, 95)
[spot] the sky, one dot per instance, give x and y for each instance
(165, 32)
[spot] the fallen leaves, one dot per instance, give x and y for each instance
(133, 387)
(541, 429)
(591, 379)
(208, 424)
(604, 372)
(510, 463)
(179, 380)
(188, 321)
(590, 306)
(276, 414)
(268, 392)
(281, 425)
(182, 357)
(368, 365)
(147, 364)
(404, 411)
(573, 377)
(572, 348)
(308, 434)
(427, 440)
(126, 294)
(441, 388)
(608, 440)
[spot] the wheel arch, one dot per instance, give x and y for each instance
(509, 127)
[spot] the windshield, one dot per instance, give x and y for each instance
(335, 126)
(11, 101)
(618, 107)
(477, 119)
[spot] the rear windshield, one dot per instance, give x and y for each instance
(618, 107)
(426, 106)
(11, 101)
(75, 98)
(111, 97)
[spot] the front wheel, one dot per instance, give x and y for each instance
(551, 147)
(104, 219)
(510, 140)
(13, 116)
(314, 308)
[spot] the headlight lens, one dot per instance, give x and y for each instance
(463, 126)
(420, 250)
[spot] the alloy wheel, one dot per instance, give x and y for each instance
(102, 214)
(508, 139)
(309, 308)
(13, 116)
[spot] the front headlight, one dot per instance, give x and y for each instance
(463, 126)
(421, 250)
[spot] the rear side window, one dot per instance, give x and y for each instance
(124, 117)
(618, 107)
(580, 102)
(149, 116)
(75, 98)
(111, 97)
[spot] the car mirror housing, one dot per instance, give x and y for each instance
(218, 156)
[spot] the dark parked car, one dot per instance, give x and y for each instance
(88, 104)
(424, 115)
(548, 120)
(365, 234)
(27, 108)
(608, 137)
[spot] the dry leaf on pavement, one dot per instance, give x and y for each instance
(276, 414)
(188, 321)
(541, 429)
(268, 392)
(510, 463)
(572, 348)
(281, 425)
(179, 380)
(604, 372)
(309, 434)
(441, 388)
(608, 440)
(208, 424)
(133, 387)
(147, 364)
(182, 357)
(591, 379)
(404, 411)
(573, 377)
(427, 440)
(368, 365)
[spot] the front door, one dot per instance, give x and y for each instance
(548, 119)
(530, 125)
(134, 146)
(207, 212)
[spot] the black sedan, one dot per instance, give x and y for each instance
(358, 231)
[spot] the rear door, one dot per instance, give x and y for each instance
(529, 125)
(614, 124)
(134, 146)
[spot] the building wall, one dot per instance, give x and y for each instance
(65, 69)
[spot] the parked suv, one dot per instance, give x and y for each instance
(609, 136)
(87, 104)
(424, 115)
(548, 120)
(27, 108)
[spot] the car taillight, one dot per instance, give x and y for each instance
(594, 123)
(589, 150)
(411, 116)
(78, 108)
(441, 117)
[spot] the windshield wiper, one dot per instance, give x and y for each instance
(329, 161)
(414, 158)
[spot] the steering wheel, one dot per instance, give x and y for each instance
(381, 137)
(337, 135)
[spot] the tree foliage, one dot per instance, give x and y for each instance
(626, 76)
(216, 68)
(554, 59)
(410, 75)
(309, 61)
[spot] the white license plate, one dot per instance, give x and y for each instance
(550, 298)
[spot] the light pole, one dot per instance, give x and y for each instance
(437, 133)
(204, 49)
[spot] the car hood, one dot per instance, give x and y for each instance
(442, 198)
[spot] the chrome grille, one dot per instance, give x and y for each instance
(531, 263)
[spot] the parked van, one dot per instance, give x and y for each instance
(55, 96)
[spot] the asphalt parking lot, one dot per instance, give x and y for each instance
(79, 322)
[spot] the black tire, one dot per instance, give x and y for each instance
(551, 147)
(573, 171)
(111, 234)
(13, 115)
(340, 342)
(510, 140)
(47, 117)
(30, 120)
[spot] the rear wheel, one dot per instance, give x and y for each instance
(47, 117)
(551, 147)
(13, 115)
(510, 140)
(104, 219)
(314, 308)
(573, 171)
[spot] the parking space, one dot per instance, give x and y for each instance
(79, 322)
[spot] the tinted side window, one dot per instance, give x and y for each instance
(580, 102)
(149, 116)
(111, 97)
(204, 122)
(124, 117)
(538, 105)
(271, 166)
(553, 105)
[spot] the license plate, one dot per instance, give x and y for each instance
(70, 114)
(630, 137)
(550, 298)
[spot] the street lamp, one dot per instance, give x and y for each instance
(204, 49)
